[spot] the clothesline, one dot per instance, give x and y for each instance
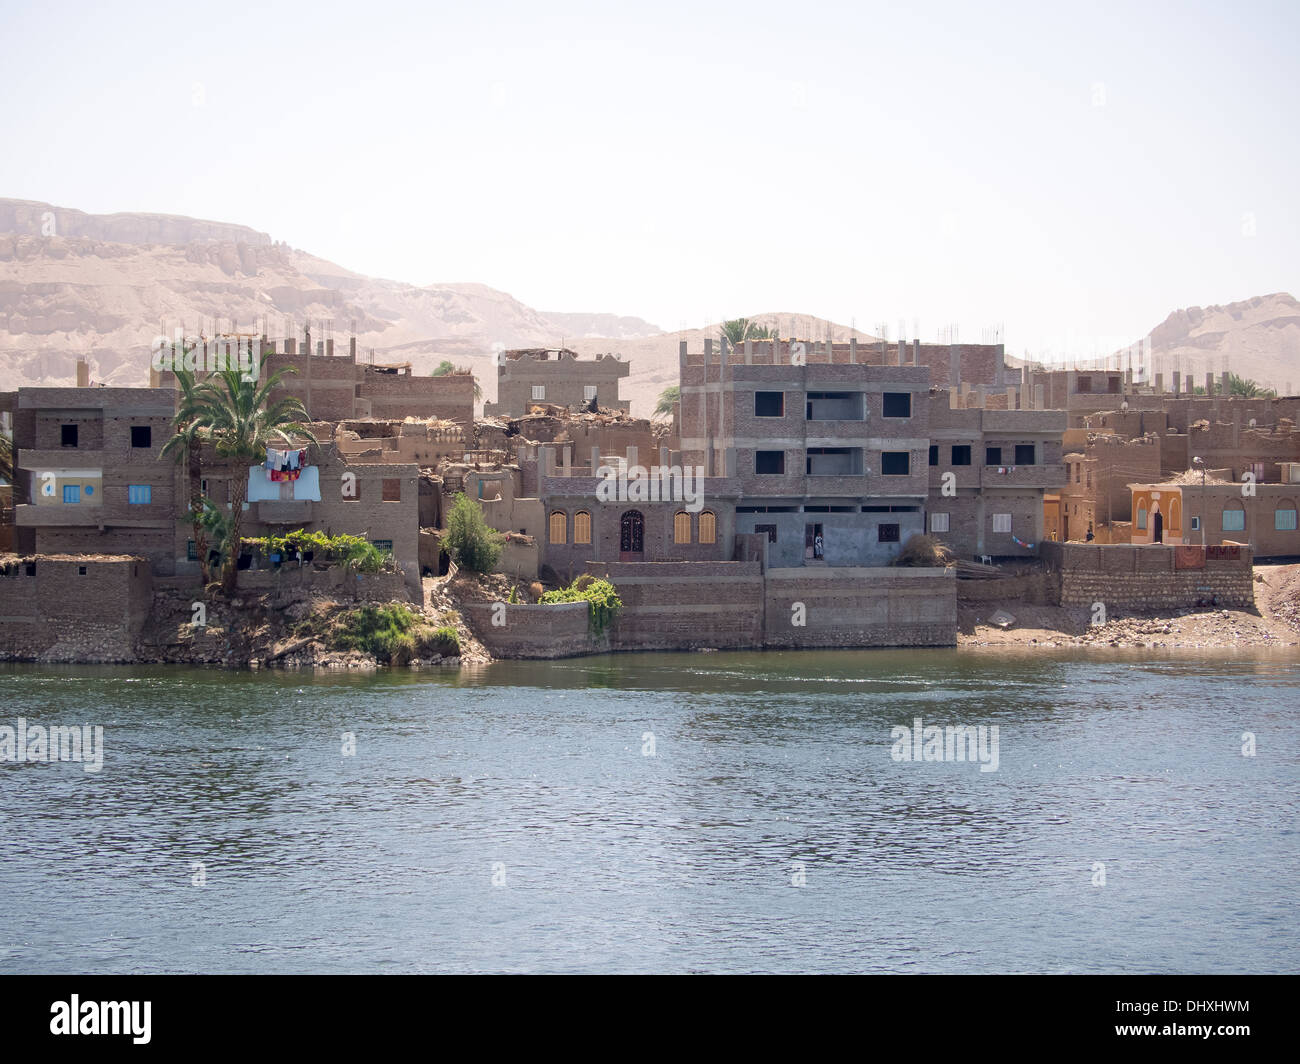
(285, 465)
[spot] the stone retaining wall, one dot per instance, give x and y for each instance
(1144, 576)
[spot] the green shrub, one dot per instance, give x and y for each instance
(469, 541)
(444, 640)
(600, 595)
(395, 634)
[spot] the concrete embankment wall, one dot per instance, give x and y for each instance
(1141, 576)
(559, 630)
(735, 605)
(685, 605)
(879, 607)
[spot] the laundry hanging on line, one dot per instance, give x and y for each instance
(285, 465)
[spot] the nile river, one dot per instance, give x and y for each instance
(683, 812)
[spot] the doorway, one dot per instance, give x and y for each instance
(631, 536)
(1158, 528)
(814, 544)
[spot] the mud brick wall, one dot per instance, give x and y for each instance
(558, 630)
(1037, 589)
(861, 607)
(290, 583)
(62, 614)
(1143, 577)
(685, 605)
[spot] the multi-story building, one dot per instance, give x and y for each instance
(88, 479)
(832, 461)
(546, 376)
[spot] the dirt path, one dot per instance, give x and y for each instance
(1275, 622)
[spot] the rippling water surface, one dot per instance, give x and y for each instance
(765, 765)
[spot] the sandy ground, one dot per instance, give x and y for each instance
(1274, 622)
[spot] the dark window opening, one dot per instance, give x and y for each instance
(81, 570)
(992, 455)
(769, 462)
(1024, 454)
(887, 533)
(896, 404)
(934, 454)
(835, 406)
(769, 404)
(68, 435)
(769, 529)
(961, 454)
(895, 463)
(29, 569)
(1084, 385)
(392, 489)
(141, 436)
(833, 461)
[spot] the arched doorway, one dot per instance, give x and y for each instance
(1158, 527)
(631, 536)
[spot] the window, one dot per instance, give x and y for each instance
(1234, 520)
(1089, 478)
(68, 435)
(961, 454)
(1284, 520)
(1024, 454)
(559, 527)
(1196, 524)
(1001, 522)
(835, 406)
(539, 391)
(894, 463)
(1084, 384)
(896, 404)
(582, 527)
(939, 522)
(887, 533)
(934, 454)
(588, 392)
(769, 404)
(709, 527)
(141, 436)
(770, 462)
(81, 570)
(1142, 518)
(71, 493)
(351, 488)
(139, 494)
(681, 527)
(191, 551)
(29, 569)
(992, 455)
(833, 461)
(769, 529)
(392, 489)
(382, 544)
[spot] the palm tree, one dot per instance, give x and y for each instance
(668, 399)
(444, 367)
(186, 446)
(1247, 388)
(738, 330)
(239, 422)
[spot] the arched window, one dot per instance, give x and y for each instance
(582, 527)
(559, 527)
(1175, 516)
(1284, 517)
(631, 532)
(682, 527)
(1234, 517)
(1142, 517)
(708, 527)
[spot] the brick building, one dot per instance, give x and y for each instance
(88, 475)
(556, 377)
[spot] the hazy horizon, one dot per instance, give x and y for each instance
(1074, 177)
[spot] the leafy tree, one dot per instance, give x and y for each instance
(6, 458)
(1248, 389)
(239, 421)
(469, 541)
(668, 399)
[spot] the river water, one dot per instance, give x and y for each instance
(661, 812)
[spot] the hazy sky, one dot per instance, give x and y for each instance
(1074, 173)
